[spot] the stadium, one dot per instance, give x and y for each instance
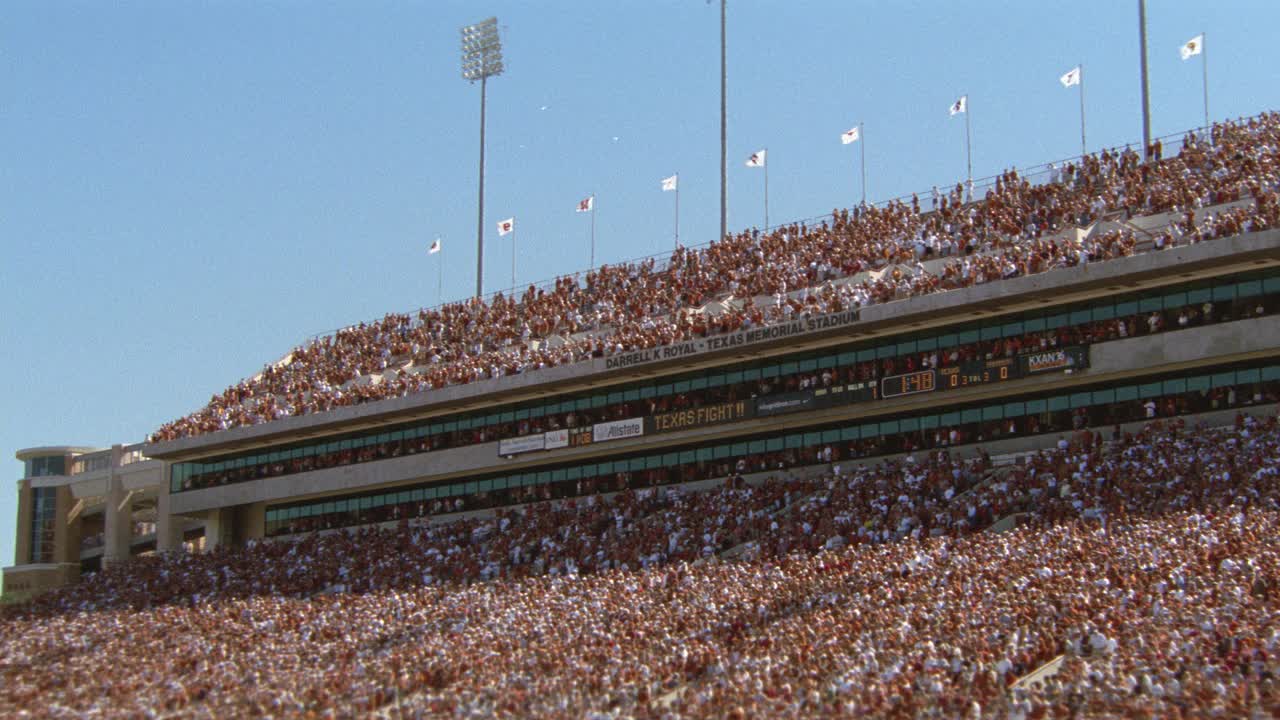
(1007, 449)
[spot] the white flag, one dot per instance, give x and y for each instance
(506, 226)
(756, 159)
(669, 184)
(960, 105)
(850, 136)
(1194, 46)
(435, 247)
(587, 204)
(1072, 77)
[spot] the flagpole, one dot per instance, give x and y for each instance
(968, 152)
(766, 189)
(1204, 64)
(677, 211)
(1083, 152)
(513, 260)
(440, 278)
(862, 140)
(593, 231)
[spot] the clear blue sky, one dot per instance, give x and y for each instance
(189, 189)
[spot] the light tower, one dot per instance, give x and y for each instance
(481, 60)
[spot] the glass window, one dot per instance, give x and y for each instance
(989, 332)
(1225, 379)
(1173, 301)
(992, 412)
(1104, 312)
(1127, 393)
(909, 424)
(1104, 397)
(1224, 293)
(1062, 402)
(1014, 409)
(774, 444)
(1081, 399)
(972, 415)
(1175, 387)
(1249, 288)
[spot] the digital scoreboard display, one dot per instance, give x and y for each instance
(980, 372)
(921, 381)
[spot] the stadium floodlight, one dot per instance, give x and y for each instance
(481, 60)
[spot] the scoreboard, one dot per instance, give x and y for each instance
(984, 372)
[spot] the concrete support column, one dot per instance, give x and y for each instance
(118, 517)
(168, 525)
(218, 528)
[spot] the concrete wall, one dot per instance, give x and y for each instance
(1206, 345)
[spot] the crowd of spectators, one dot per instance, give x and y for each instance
(1145, 563)
(857, 257)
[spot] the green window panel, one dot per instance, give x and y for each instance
(722, 451)
(631, 395)
(794, 441)
(1271, 285)
(886, 351)
(484, 485)
(741, 448)
(1081, 399)
(683, 386)
(1271, 372)
(1200, 383)
(1224, 293)
(968, 336)
(1249, 288)
(500, 483)
(734, 377)
(665, 389)
(949, 419)
(1225, 379)
(524, 414)
(615, 398)
(1011, 329)
(1149, 390)
(1248, 376)
(688, 456)
(1055, 321)
(1200, 295)
(930, 422)
(848, 358)
(1173, 301)
(869, 430)
(1103, 397)
(1127, 393)
(992, 412)
(472, 487)
(1175, 387)
(771, 371)
(774, 444)
(599, 401)
(909, 424)
(813, 438)
(751, 374)
(703, 455)
(989, 332)
(906, 348)
(827, 361)
(830, 436)
(808, 365)
(1151, 304)
(889, 427)
(971, 416)
(927, 344)
(574, 473)
(756, 446)
(698, 383)
(790, 368)
(1034, 325)
(559, 475)
(647, 392)
(467, 423)
(1015, 409)
(866, 355)
(1104, 312)
(850, 433)
(1081, 317)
